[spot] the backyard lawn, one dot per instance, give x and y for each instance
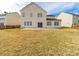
(52, 42)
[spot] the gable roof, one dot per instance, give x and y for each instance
(69, 13)
(73, 14)
(2, 14)
(52, 19)
(50, 16)
(35, 5)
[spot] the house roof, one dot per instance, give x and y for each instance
(74, 14)
(2, 14)
(34, 4)
(69, 13)
(53, 19)
(50, 16)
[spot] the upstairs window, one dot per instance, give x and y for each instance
(23, 14)
(39, 14)
(31, 15)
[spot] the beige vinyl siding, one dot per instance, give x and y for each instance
(12, 19)
(66, 19)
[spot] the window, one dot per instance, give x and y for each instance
(25, 23)
(28, 23)
(1, 24)
(39, 14)
(23, 14)
(2, 18)
(31, 15)
(78, 21)
(49, 23)
(56, 23)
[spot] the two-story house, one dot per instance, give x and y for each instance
(33, 16)
(12, 20)
(68, 19)
(2, 20)
(8, 20)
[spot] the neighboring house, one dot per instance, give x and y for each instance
(68, 19)
(10, 20)
(2, 20)
(33, 16)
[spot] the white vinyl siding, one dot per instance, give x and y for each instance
(66, 19)
(34, 14)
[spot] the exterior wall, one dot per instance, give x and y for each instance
(53, 26)
(66, 19)
(34, 19)
(12, 19)
(2, 20)
(75, 20)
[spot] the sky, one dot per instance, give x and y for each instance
(53, 8)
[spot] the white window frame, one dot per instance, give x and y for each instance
(49, 23)
(27, 23)
(1, 24)
(40, 15)
(24, 23)
(56, 23)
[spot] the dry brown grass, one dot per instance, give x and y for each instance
(17, 42)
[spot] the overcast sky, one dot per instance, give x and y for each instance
(51, 7)
(11, 5)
